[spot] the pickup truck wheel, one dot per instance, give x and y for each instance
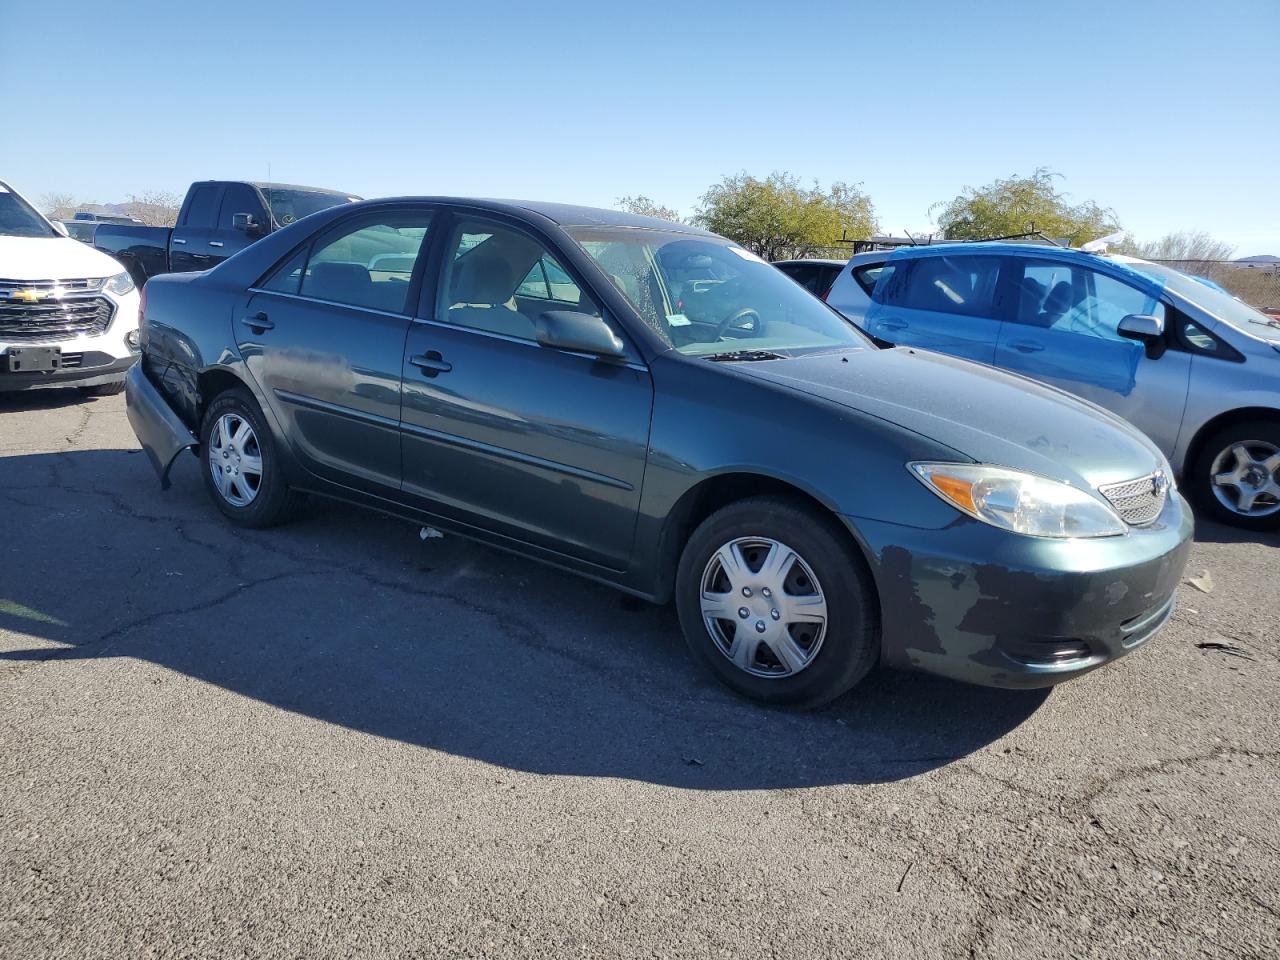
(1235, 478)
(775, 602)
(104, 389)
(241, 466)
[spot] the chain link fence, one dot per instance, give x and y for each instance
(1258, 286)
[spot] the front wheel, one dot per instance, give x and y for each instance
(1236, 476)
(775, 601)
(241, 464)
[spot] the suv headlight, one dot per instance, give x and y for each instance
(1020, 502)
(120, 284)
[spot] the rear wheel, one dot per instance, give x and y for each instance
(241, 464)
(1236, 476)
(776, 603)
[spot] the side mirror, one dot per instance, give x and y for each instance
(579, 332)
(246, 223)
(61, 228)
(1145, 329)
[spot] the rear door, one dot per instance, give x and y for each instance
(189, 245)
(542, 445)
(236, 198)
(1061, 328)
(323, 335)
(949, 303)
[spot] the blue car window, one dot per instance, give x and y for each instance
(963, 285)
(1067, 298)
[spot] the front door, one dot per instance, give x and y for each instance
(534, 443)
(1061, 328)
(324, 336)
(237, 198)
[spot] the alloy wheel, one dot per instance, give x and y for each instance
(1246, 478)
(763, 607)
(235, 460)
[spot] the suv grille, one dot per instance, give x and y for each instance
(44, 311)
(1138, 501)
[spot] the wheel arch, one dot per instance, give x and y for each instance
(710, 494)
(1239, 415)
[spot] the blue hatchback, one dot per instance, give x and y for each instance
(1194, 368)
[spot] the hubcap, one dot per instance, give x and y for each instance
(235, 460)
(1246, 478)
(763, 607)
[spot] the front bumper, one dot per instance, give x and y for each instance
(161, 432)
(92, 369)
(981, 605)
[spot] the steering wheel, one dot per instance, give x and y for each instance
(737, 317)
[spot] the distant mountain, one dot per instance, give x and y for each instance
(1260, 259)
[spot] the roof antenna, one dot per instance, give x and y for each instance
(910, 237)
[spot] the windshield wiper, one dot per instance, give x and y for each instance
(731, 355)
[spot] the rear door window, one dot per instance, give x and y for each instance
(960, 285)
(202, 208)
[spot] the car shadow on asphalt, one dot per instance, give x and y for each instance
(25, 401)
(1207, 531)
(349, 618)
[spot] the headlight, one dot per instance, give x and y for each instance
(1021, 502)
(120, 284)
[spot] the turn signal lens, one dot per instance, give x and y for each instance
(1024, 503)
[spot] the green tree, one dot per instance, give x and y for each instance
(1020, 205)
(777, 217)
(644, 207)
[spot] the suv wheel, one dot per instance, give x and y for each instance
(775, 603)
(240, 463)
(1236, 476)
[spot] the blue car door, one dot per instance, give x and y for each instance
(944, 302)
(1061, 328)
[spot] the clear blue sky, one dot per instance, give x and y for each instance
(1166, 110)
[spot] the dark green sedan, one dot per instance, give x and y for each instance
(652, 406)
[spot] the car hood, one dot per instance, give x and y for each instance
(52, 258)
(983, 413)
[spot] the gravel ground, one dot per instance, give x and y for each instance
(336, 740)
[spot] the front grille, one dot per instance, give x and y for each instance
(57, 287)
(1138, 501)
(51, 320)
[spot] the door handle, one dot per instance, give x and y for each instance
(893, 324)
(179, 240)
(431, 363)
(215, 243)
(258, 323)
(1026, 346)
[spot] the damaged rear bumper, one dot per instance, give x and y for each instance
(158, 428)
(984, 606)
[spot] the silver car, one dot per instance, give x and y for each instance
(1194, 368)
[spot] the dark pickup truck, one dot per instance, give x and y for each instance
(218, 218)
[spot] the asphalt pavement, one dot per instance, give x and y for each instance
(335, 739)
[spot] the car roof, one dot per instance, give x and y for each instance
(562, 214)
(264, 185)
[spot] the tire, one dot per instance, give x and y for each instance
(104, 389)
(1260, 442)
(255, 493)
(822, 661)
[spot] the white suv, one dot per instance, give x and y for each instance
(68, 313)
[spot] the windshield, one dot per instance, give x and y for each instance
(1215, 300)
(287, 206)
(705, 296)
(18, 219)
